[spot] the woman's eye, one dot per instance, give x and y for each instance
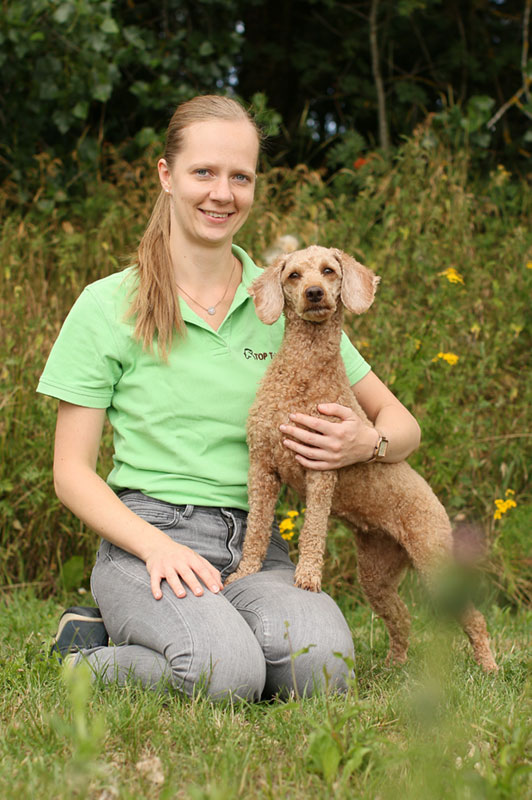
(202, 173)
(241, 178)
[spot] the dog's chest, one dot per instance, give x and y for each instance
(286, 389)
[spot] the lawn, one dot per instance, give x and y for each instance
(435, 728)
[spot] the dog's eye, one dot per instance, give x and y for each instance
(328, 271)
(294, 275)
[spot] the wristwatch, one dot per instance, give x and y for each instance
(380, 450)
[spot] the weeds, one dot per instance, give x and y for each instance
(447, 333)
(436, 728)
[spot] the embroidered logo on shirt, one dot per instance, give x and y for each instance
(249, 353)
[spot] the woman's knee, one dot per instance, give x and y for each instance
(227, 672)
(206, 644)
(305, 638)
(312, 661)
(219, 658)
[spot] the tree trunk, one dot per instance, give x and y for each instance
(384, 138)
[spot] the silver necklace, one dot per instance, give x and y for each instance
(211, 309)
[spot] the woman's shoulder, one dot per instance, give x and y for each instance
(120, 282)
(112, 294)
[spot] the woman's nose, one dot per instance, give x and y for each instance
(221, 191)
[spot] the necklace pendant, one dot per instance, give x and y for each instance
(211, 310)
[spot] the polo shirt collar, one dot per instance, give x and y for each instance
(249, 272)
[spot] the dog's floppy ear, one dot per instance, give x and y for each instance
(267, 292)
(358, 283)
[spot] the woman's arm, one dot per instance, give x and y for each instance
(330, 445)
(80, 488)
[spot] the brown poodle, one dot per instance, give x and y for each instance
(396, 519)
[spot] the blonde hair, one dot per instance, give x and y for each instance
(156, 303)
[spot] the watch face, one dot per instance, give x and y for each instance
(381, 449)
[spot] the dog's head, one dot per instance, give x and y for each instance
(311, 282)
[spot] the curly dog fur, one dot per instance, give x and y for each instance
(396, 519)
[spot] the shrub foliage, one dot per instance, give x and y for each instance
(447, 331)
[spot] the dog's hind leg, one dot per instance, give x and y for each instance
(381, 565)
(475, 627)
(432, 557)
(319, 491)
(263, 490)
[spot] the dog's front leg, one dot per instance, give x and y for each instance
(263, 491)
(319, 492)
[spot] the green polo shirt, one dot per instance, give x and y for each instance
(179, 427)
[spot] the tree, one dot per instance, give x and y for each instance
(344, 74)
(76, 73)
(378, 67)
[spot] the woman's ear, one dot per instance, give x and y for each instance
(164, 175)
(358, 283)
(267, 292)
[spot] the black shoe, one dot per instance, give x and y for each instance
(79, 629)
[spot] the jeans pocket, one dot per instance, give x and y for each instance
(157, 512)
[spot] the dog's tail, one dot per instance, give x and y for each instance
(283, 244)
(469, 543)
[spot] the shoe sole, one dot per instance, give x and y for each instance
(79, 622)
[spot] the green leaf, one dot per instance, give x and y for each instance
(146, 136)
(72, 573)
(63, 13)
(206, 48)
(81, 109)
(62, 120)
(325, 754)
(109, 26)
(102, 92)
(355, 761)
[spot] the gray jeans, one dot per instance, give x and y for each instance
(250, 641)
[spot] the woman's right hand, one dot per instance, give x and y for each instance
(176, 563)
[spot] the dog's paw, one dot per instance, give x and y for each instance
(396, 658)
(305, 579)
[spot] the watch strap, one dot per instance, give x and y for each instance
(380, 450)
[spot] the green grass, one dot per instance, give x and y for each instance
(436, 728)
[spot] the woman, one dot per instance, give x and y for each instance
(166, 349)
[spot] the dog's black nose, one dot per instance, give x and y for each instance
(314, 294)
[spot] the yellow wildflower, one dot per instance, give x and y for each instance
(502, 506)
(450, 358)
(529, 264)
(292, 514)
(288, 535)
(287, 529)
(286, 525)
(452, 275)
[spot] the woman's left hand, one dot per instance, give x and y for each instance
(322, 444)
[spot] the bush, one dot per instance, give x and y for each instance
(446, 332)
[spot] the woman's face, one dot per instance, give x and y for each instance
(212, 181)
